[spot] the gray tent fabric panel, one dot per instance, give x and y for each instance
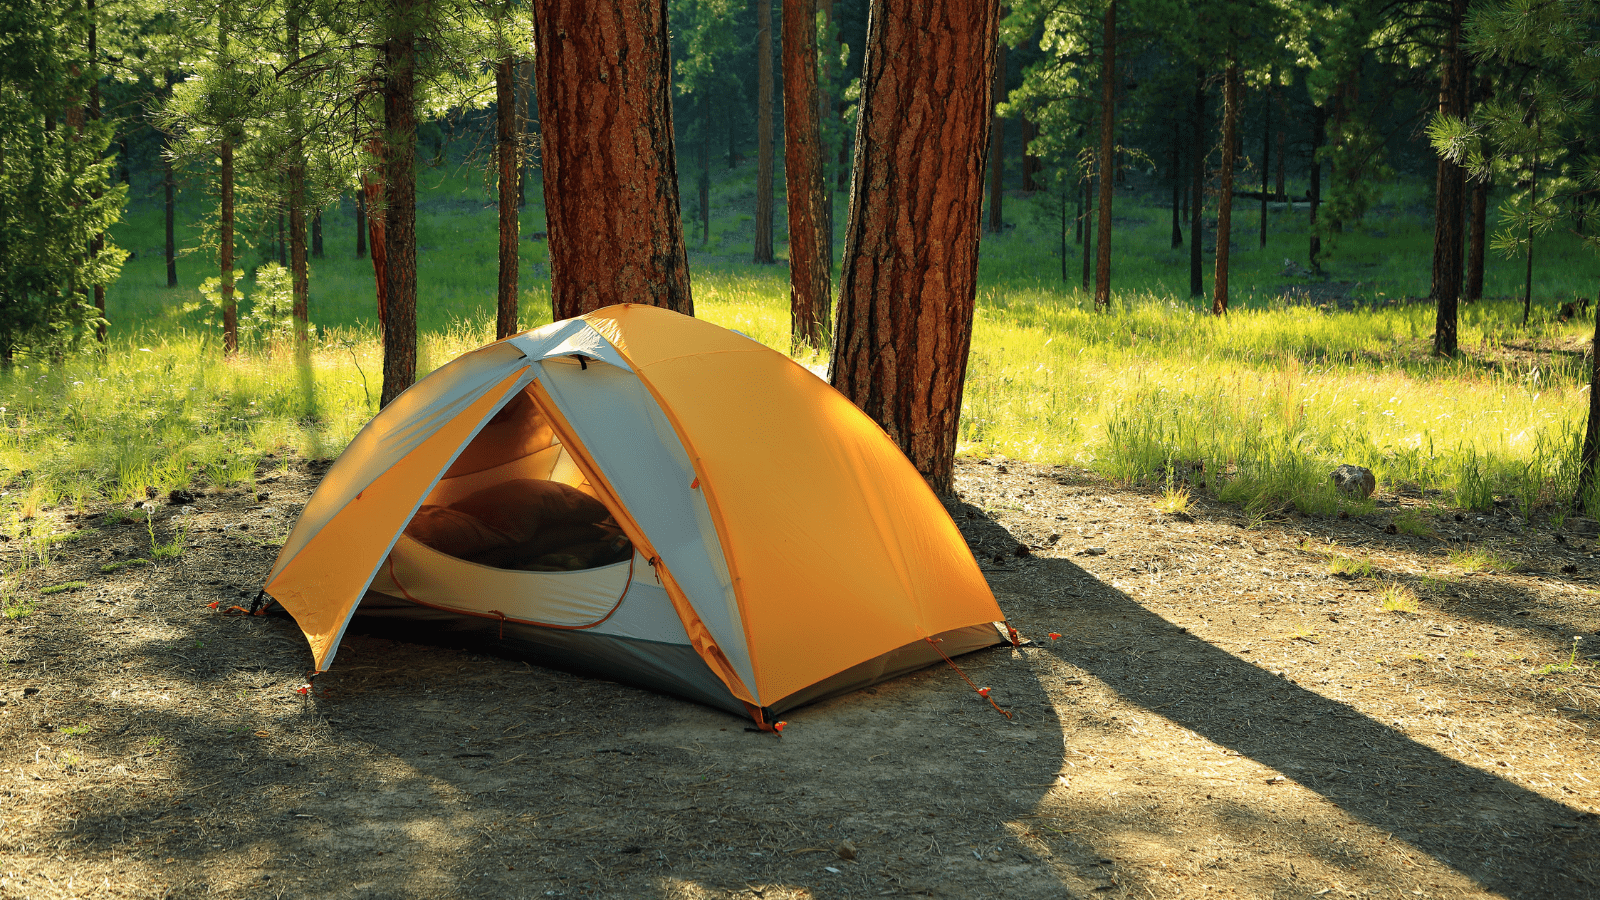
(634, 444)
(645, 612)
(669, 668)
(895, 663)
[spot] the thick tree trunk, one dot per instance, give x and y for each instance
(506, 155)
(826, 57)
(809, 291)
(1450, 194)
(1319, 135)
(610, 176)
(1108, 96)
(375, 202)
(1230, 131)
(909, 279)
(400, 201)
(1197, 189)
(1477, 234)
(997, 146)
(764, 149)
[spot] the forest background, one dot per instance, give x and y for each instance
(184, 183)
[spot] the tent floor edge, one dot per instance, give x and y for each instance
(918, 654)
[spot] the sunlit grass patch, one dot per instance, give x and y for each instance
(1413, 523)
(64, 587)
(1398, 598)
(1482, 559)
(118, 566)
(1568, 665)
(1348, 567)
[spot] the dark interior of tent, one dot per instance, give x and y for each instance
(515, 499)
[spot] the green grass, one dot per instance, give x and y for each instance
(108, 568)
(1254, 409)
(1349, 567)
(1398, 598)
(64, 587)
(1482, 559)
(1413, 523)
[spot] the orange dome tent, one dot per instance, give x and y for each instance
(736, 531)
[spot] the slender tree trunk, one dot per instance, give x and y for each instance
(1084, 207)
(97, 243)
(809, 291)
(280, 244)
(1533, 206)
(826, 56)
(1266, 153)
(316, 234)
(506, 153)
(1230, 131)
(375, 201)
(764, 148)
(361, 222)
(525, 122)
(997, 145)
(1589, 459)
(1197, 189)
(1449, 196)
(1279, 191)
(610, 175)
(705, 175)
(297, 197)
(400, 200)
(909, 281)
(1108, 97)
(1030, 163)
(169, 188)
(1319, 135)
(1177, 183)
(1476, 239)
(230, 307)
(1063, 231)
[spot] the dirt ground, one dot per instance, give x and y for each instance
(1221, 716)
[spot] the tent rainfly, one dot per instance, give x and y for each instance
(650, 498)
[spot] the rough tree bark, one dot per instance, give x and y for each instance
(506, 156)
(809, 291)
(374, 201)
(909, 279)
(764, 149)
(400, 200)
(1230, 131)
(1472, 288)
(827, 57)
(610, 176)
(997, 145)
(1450, 194)
(1108, 87)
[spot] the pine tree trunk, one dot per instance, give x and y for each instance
(400, 201)
(506, 156)
(1230, 132)
(909, 280)
(525, 123)
(375, 203)
(1108, 86)
(764, 149)
(1030, 163)
(1197, 189)
(610, 176)
(1476, 239)
(826, 57)
(997, 145)
(1085, 235)
(1450, 194)
(316, 234)
(809, 291)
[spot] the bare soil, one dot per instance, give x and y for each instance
(1220, 715)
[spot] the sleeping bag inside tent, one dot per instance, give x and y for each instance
(650, 498)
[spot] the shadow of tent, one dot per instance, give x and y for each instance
(1504, 836)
